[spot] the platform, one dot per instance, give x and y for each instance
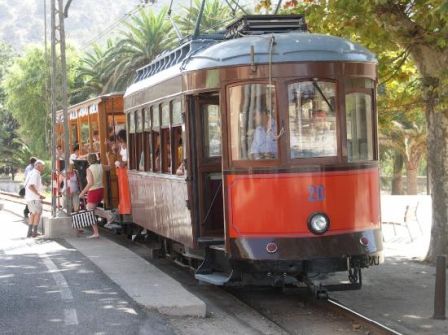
(142, 281)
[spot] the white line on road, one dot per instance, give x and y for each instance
(70, 317)
(66, 293)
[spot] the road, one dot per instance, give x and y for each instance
(47, 287)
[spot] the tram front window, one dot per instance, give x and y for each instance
(253, 119)
(358, 109)
(312, 119)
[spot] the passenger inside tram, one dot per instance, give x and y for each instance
(96, 141)
(121, 137)
(264, 142)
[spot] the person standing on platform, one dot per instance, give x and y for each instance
(28, 169)
(94, 188)
(34, 197)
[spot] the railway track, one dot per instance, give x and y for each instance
(374, 327)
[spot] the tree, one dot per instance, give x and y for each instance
(96, 71)
(419, 28)
(147, 35)
(216, 15)
(409, 141)
(9, 143)
(27, 98)
(26, 86)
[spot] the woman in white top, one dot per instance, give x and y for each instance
(94, 188)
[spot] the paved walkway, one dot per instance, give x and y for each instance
(50, 288)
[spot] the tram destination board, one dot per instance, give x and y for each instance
(263, 24)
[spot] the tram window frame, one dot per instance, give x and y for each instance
(131, 140)
(205, 113)
(139, 139)
(147, 137)
(368, 90)
(155, 138)
(177, 135)
(165, 138)
(248, 162)
(336, 142)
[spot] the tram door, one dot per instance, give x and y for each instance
(209, 167)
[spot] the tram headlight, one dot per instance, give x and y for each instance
(318, 223)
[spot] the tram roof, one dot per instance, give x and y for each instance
(288, 47)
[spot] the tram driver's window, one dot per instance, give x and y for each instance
(358, 115)
(253, 119)
(312, 119)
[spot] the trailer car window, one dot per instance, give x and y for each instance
(358, 109)
(312, 119)
(253, 120)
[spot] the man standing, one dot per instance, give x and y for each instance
(28, 169)
(33, 197)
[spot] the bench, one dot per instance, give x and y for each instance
(405, 217)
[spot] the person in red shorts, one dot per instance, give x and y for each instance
(94, 188)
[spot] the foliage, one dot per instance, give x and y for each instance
(9, 142)
(216, 15)
(26, 85)
(147, 35)
(95, 70)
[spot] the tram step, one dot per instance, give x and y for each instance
(210, 240)
(215, 278)
(218, 247)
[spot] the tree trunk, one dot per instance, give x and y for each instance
(411, 180)
(438, 165)
(397, 184)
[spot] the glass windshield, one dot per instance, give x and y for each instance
(312, 119)
(358, 109)
(253, 121)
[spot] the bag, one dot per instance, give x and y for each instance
(83, 219)
(22, 192)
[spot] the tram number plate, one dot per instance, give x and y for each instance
(316, 193)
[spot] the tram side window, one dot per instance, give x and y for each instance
(312, 119)
(253, 119)
(95, 136)
(166, 138)
(156, 139)
(131, 141)
(212, 126)
(73, 135)
(177, 138)
(147, 139)
(359, 118)
(140, 157)
(85, 141)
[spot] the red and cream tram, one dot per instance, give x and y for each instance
(256, 153)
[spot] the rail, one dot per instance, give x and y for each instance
(372, 325)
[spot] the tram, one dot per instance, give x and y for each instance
(91, 125)
(254, 153)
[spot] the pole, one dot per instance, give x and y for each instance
(53, 102)
(440, 289)
(64, 101)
